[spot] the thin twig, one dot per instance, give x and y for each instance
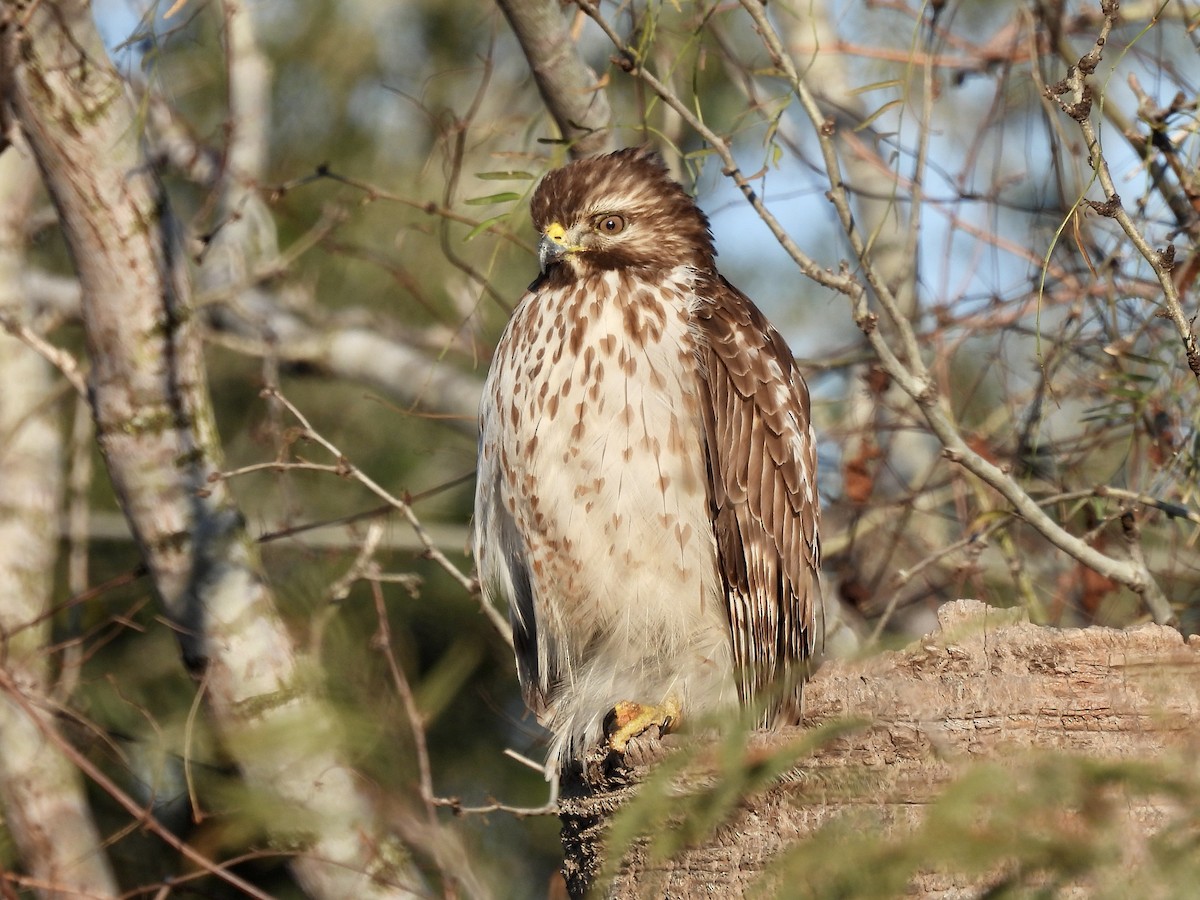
(416, 722)
(142, 815)
(1074, 96)
(349, 470)
(67, 364)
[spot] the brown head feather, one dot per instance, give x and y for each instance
(663, 225)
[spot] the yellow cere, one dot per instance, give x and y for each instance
(556, 232)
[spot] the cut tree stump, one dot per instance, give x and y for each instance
(987, 685)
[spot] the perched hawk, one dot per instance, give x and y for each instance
(647, 499)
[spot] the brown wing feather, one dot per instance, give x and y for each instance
(762, 468)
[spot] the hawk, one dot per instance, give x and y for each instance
(646, 502)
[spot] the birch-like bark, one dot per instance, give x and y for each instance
(154, 422)
(41, 793)
(245, 238)
(259, 322)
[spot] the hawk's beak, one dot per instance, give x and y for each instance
(553, 245)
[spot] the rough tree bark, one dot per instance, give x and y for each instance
(982, 688)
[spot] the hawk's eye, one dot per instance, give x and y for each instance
(610, 224)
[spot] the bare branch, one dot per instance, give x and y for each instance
(257, 324)
(348, 469)
(261, 322)
(67, 364)
(1074, 96)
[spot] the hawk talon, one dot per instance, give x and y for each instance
(632, 719)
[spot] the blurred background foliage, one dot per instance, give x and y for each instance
(404, 142)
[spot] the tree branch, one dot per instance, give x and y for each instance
(570, 89)
(1074, 96)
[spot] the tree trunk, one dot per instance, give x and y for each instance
(975, 700)
(41, 793)
(155, 424)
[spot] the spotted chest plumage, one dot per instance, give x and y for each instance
(600, 467)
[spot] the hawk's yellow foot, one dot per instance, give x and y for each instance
(629, 719)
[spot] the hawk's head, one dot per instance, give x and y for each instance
(618, 211)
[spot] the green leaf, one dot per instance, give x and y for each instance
(505, 176)
(877, 86)
(866, 123)
(483, 226)
(1132, 393)
(505, 197)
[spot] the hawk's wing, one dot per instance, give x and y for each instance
(500, 550)
(762, 471)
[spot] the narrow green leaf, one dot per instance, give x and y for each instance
(482, 227)
(505, 176)
(876, 86)
(1134, 357)
(865, 123)
(1132, 393)
(505, 197)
